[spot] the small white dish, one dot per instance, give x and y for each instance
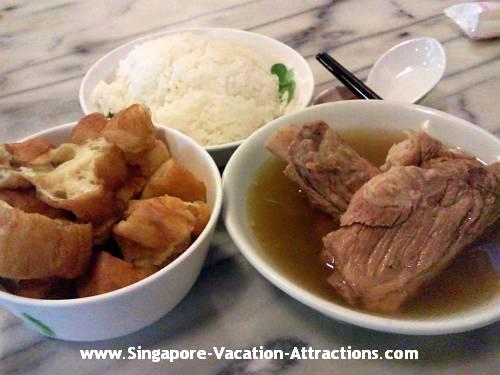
(409, 70)
(240, 173)
(270, 51)
(129, 309)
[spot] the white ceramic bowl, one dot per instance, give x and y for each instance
(270, 52)
(126, 310)
(240, 171)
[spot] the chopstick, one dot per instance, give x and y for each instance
(354, 84)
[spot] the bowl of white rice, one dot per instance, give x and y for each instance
(216, 85)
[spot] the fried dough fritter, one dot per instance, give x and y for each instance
(151, 159)
(10, 178)
(174, 180)
(25, 152)
(131, 129)
(108, 273)
(34, 288)
(132, 187)
(158, 229)
(89, 127)
(33, 246)
(27, 201)
(82, 178)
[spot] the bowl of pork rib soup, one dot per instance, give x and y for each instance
(382, 215)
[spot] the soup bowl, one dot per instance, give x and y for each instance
(241, 170)
(129, 309)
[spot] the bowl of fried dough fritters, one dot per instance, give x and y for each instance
(104, 224)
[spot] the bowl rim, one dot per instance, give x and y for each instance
(408, 326)
(201, 30)
(215, 213)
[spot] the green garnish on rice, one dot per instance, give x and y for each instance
(285, 80)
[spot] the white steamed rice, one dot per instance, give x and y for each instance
(211, 89)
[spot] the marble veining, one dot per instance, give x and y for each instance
(47, 46)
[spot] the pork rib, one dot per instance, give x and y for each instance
(404, 227)
(325, 167)
(418, 148)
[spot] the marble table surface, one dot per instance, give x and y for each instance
(46, 48)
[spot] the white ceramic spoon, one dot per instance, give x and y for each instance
(409, 70)
(405, 73)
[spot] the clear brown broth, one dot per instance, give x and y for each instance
(291, 232)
